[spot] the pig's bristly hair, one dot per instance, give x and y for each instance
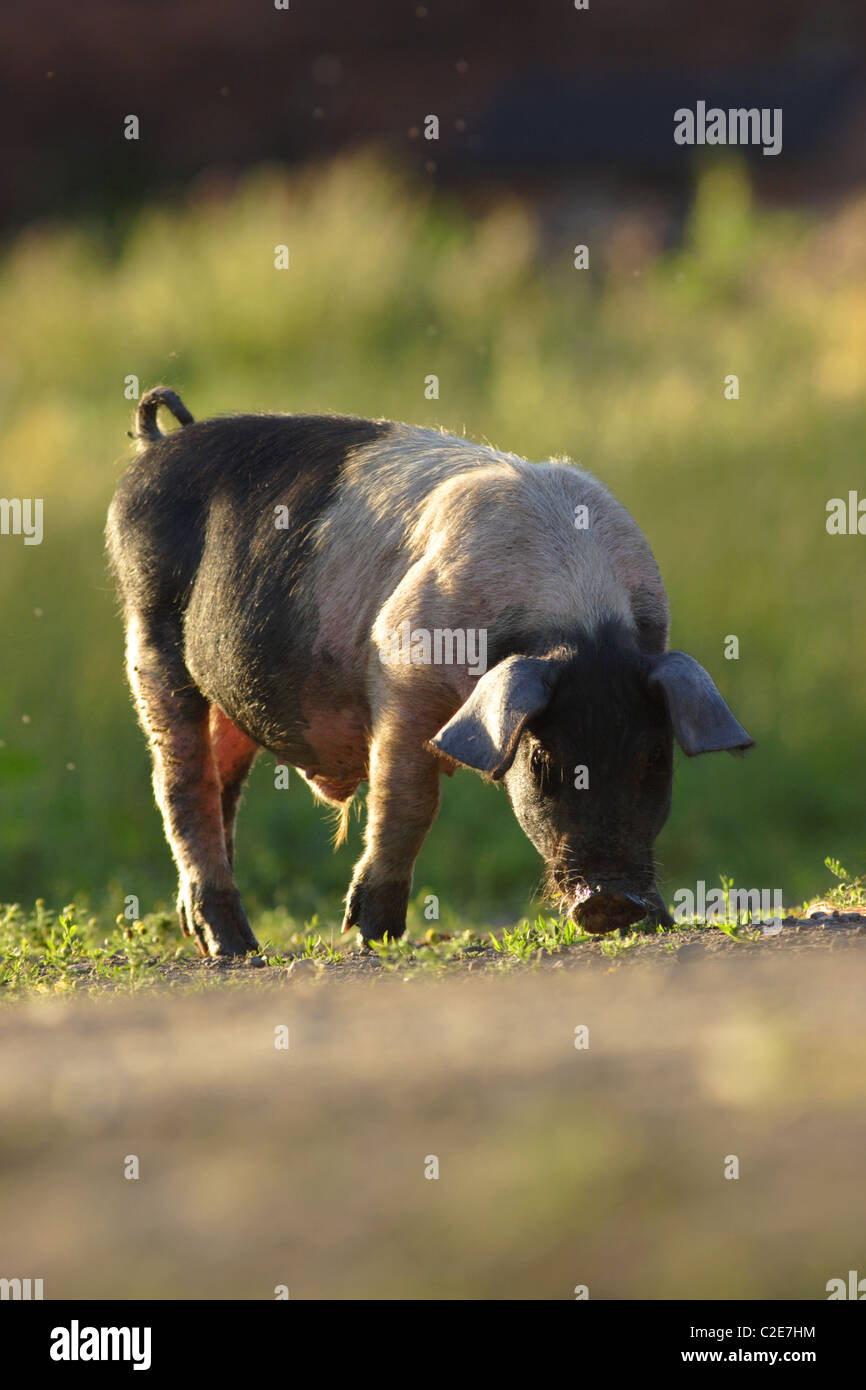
(147, 431)
(341, 822)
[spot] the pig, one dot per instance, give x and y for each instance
(266, 565)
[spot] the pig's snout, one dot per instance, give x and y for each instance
(604, 911)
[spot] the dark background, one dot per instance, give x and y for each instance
(535, 93)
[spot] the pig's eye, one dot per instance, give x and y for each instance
(543, 769)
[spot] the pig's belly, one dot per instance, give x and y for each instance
(339, 742)
(316, 725)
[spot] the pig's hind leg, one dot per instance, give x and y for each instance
(176, 718)
(234, 754)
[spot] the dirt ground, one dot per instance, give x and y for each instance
(827, 932)
(559, 1164)
(823, 932)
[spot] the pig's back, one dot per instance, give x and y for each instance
(485, 532)
(203, 498)
(267, 612)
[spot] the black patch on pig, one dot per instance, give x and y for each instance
(602, 715)
(196, 553)
(512, 634)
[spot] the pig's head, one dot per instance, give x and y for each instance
(582, 737)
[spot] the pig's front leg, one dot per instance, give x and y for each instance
(401, 806)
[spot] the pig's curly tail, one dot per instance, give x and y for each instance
(146, 428)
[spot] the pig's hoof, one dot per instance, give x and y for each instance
(219, 922)
(377, 909)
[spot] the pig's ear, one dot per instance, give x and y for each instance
(701, 720)
(486, 729)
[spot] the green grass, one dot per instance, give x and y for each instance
(847, 892)
(622, 371)
(45, 951)
(51, 951)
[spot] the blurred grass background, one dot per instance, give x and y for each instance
(622, 368)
